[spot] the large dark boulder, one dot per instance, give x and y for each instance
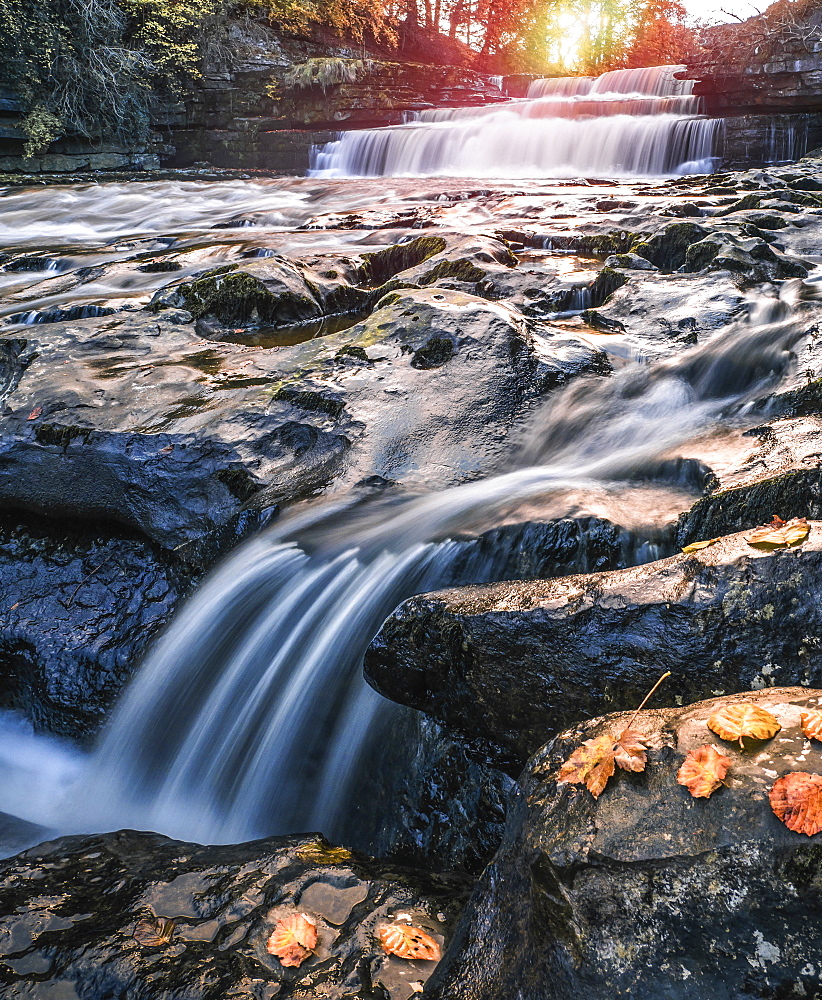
(646, 892)
(78, 607)
(509, 664)
(71, 908)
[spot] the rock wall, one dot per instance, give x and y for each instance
(768, 64)
(264, 101)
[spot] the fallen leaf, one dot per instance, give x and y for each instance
(153, 932)
(630, 751)
(409, 942)
(796, 799)
(735, 722)
(811, 722)
(416, 987)
(702, 771)
(592, 764)
(696, 546)
(293, 939)
(779, 534)
(169, 448)
(35, 413)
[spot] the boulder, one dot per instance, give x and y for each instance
(646, 891)
(509, 664)
(72, 907)
(78, 608)
(162, 432)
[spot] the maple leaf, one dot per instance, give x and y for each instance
(408, 942)
(153, 932)
(779, 534)
(696, 546)
(703, 770)
(811, 722)
(735, 722)
(593, 763)
(796, 799)
(293, 939)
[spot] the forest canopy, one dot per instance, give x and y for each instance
(94, 66)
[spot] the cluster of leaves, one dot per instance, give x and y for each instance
(777, 534)
(294, 940)
(795, 798)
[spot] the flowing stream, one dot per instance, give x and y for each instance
(251, 717)
(638, 122)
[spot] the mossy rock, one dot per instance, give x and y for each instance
(378, 267)
(668, 248)
(239, 298)
(462, 270)
(605, 284)
(745, 202)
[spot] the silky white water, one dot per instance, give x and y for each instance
(251, 717)
(642, 122)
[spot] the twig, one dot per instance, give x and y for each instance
(645, 702)
(86, 579)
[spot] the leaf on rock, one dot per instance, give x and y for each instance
(696, 546)
(812, 724)
(153, 932)
(630, 751)
(796, 799)
(592, 764)
(35, 413)
(409, 942)
(735, 722)
(779, 534)
(703, 770)
(293, 939)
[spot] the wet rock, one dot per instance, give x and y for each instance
(768, 469)
(511, 663)
(441, 805)
(646, 892)
(73, 905)
(78, 607)
(629, 261)
(667, 248)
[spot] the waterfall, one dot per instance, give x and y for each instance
(251, 717)
(641, 122)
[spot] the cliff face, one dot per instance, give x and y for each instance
(768, 64)
(264, 99)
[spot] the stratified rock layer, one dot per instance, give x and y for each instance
(647, 892)
(512, 663)
(71, 908)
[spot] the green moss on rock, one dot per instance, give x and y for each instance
(378, 267)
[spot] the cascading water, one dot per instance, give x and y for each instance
(251, 716)
(642, 122)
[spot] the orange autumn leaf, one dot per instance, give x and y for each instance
(811, 722)
(703, 770)
(735, 722)
(293, 939)
(409, 942)
(796, 799)
(153, 932)
(779, 534)
(593, 763)
(696, 546)
(35, 413)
